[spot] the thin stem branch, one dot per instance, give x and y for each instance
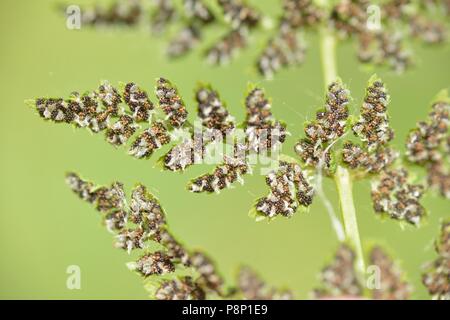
(342, 176)
(343, 182)
(328, 55)
(335, 222)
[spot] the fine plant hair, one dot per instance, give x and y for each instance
(170, 270)
(382, 30)
(128, 116)
(396, 193)
(335, 145)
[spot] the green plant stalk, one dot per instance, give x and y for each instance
(343, 182)
(328, 55)
(342, 176)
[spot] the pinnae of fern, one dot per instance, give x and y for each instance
(329, 125)
(400, 22)
(289, 188)
(340, 281)
(428, 145)
(436, 276)
(143, 221)
(392, 194)
(254, 288)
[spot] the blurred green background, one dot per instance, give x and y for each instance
(44, 228)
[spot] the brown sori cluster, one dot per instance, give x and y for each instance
(119, 132)
(214, 116)
(374, 131)
(148, 224)
(422, 22)
(146, 211)
(150, 140)
(428, 145)
(258, 109)
(119, 12)
(445, 4)
(174, 248)
(212, 110)
(179, 289)
(162, 15)
(357, 157)
(238, 14)
(57, 110)
(198, 15)
(289, 188)
(91, 110)
(96, 111)
(110, 198)
(428, 31)
(196, 9)
(241, 18)
(329, 125)
(224, 175)
(185, 154)
(109, 97)
(339, 279)
(209, 277)
(102, 110)
(154, 263)
(373, 125)
(262, 131)
(138, 101)
(301, 13)
(224, 50)
(392, 285)
(331, 122)
(171, 103)
(439, 177)
(386, 45)
(285, 49)
(186, 39)
(395, 9)
(384, 48)
(84, 189)
(400, 20)
(437, 273)
(252, 287)
(195, 15)
(116, 220)
(392, 194)
(349, 17)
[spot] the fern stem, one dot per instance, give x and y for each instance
(342, 176)
(328, 55)
(343, 182)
